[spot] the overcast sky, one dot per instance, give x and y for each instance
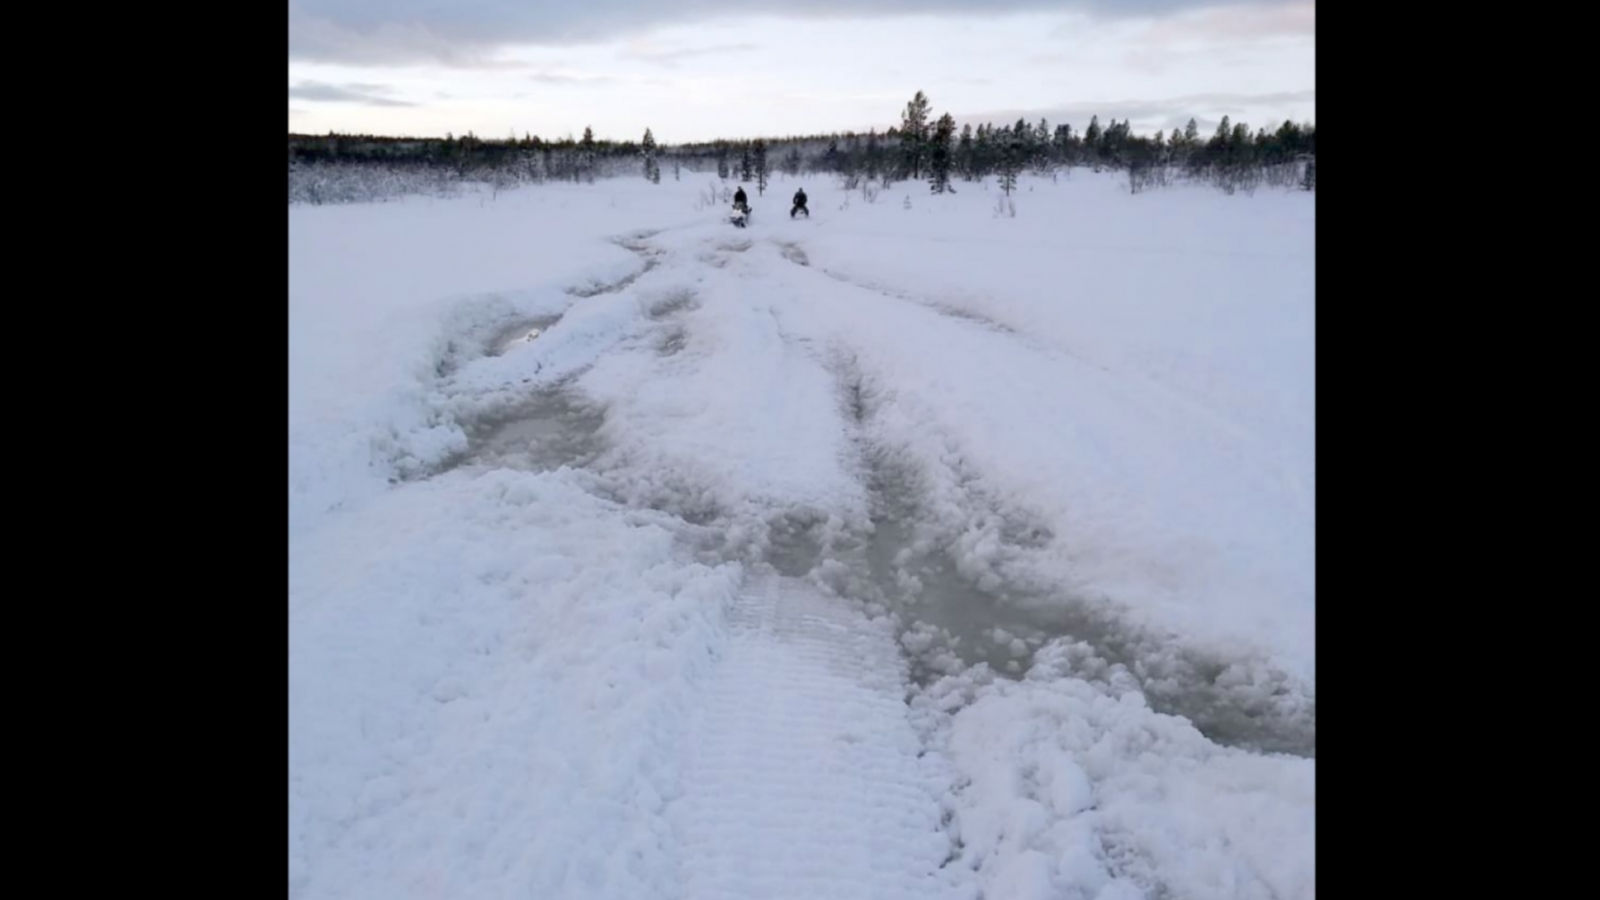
(696, 69)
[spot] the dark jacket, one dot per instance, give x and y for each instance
(739, 197)
(799, 198)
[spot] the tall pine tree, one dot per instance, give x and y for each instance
(647, 149)
(939, 154)
(759, 163)
(983, 150)
(873, 154)
(1091, 140)
(914, 135)
(587, 158)
(1061, 144)
(1013, 152)
(965, 164)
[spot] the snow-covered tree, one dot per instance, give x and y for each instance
(759, 164)
(1062, 145)
(964, 162)
(1043, 159)
(647, 149)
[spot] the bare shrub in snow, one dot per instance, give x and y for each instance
(708, 197)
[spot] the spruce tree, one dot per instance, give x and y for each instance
(914, 135)
(647, 148)
(939, 154)
(1062, 144)
(1042, 157)
(1091, 138)
(759, 163)
(1013, 151)
(586, 156)
(983, 150)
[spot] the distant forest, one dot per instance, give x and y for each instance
(336, 168)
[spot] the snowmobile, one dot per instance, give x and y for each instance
(740, 215)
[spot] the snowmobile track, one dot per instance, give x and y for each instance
(804, 780)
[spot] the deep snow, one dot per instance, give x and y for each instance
(546, 448)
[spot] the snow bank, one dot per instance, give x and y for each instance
(487, 675)
(1077, 788)
(384, 297)
(488, 670)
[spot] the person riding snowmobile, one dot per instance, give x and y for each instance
(740, 200)
(800, 204)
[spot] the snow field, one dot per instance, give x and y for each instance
(538, 641)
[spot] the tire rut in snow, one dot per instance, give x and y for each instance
(797, 255)
(554, 426)
(489, 339)
(804, 780)
(669, 310)
(522, 331)
(793, 252)
(907, 564)
(636, 244)
(550, 428)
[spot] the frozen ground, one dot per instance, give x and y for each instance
(896, 552)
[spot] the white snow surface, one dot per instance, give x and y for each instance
(619, 538)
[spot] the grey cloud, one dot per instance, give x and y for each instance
(1148, 115)
(671, 58)
(347, 93)
(1297, 18)
(380, 32)
(554, 78)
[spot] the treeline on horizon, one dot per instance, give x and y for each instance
(1232, 157)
